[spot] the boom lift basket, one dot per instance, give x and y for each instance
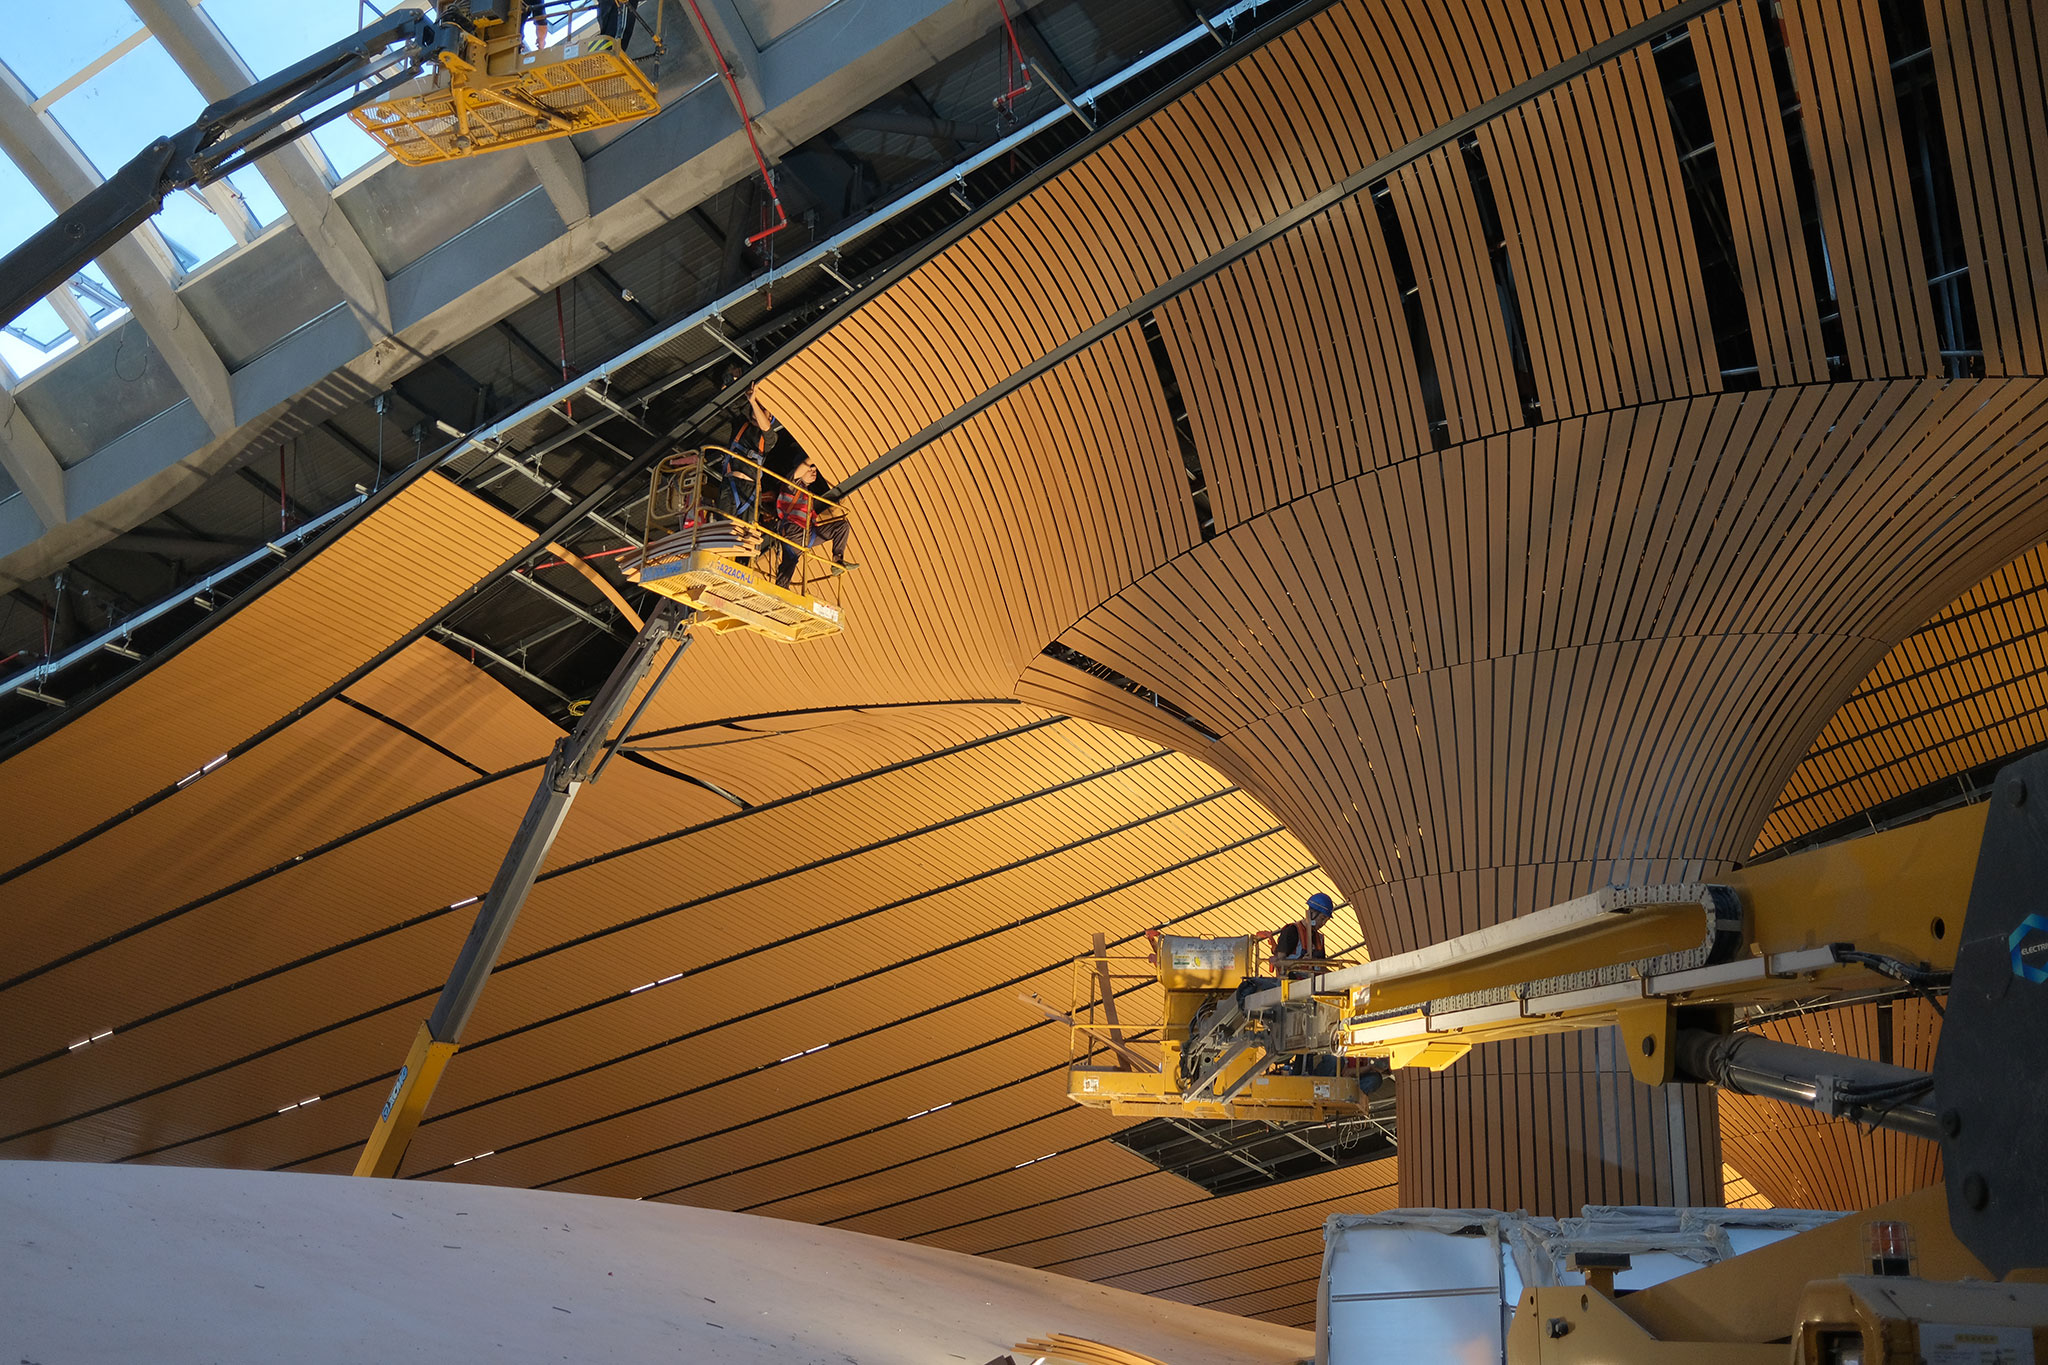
(500, 94)
(1112, 1048)
(721, 562)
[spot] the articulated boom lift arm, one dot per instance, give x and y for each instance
(1952, 903)
(229, 134)
(578, 758)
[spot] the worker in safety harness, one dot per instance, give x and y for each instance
(803, 522)
(1302, 943)
(1303, 940)
(739, 483)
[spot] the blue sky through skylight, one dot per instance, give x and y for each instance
(119, 112)
(45, 44)
(22, 211)
(269, 43)
(137, 94)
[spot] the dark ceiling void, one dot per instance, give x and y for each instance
(1224, 1156)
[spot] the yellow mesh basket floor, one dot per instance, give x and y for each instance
(554, 93)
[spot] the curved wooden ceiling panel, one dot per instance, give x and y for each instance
(1260, 138)
(1800, 1159)
(1474, 667)
(403, 562)
(1463, 657)
(1966, 690)
(1602, 246)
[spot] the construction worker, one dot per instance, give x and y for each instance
(1303, 939)
(615, 20)
(1301, 943)
(803, 522)
(754, 438)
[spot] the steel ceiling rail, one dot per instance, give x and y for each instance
(825, 254)
(115, 635)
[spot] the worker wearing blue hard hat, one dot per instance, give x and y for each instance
(1303, 939)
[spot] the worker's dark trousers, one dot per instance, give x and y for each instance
(836, 531)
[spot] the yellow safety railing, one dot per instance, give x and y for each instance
(677, 505)
(541, 71)
(1104, 1027)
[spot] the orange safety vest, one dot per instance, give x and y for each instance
(793, 508)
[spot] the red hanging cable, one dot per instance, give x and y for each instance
(746, 126)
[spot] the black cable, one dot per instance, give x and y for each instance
(1923, 981)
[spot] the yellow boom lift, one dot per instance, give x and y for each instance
(481, 76)
(1951, 903)
(701, 560)
(518, 73)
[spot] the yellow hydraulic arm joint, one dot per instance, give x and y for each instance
(409, 1096)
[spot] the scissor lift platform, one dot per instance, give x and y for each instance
(723, 564)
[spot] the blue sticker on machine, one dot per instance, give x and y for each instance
(399, 1085)
(2029, 947)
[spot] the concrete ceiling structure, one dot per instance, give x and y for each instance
(359, 280)
(1442, 458)
(118, 488)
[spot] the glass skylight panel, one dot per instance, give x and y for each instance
(23, 341)
(35, 339)
(97, 297)
(269, 46)
(123, 109)
(49, 43)
(257, 194)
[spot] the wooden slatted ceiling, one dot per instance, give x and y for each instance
(1990, 55)
(1477, 682)
(429, 543)
(1325, 99)
(1566, 1126)
(1739, 1193)
(1601, 243)
(1967, 689)
(1275, 410)
(750, 1147)
(1634, 667)
(1449, 253)
(606, 893)
(1800, 1159)
(1763, 206)
(1016, 526)
(861, 1067)
(1679, 589)
(1840, 64)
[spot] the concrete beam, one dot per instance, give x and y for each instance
(73, 316)
(30, 464)
(560, 169)
(655, 173)
(208, 61)
(63, 176)
(736, 43)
